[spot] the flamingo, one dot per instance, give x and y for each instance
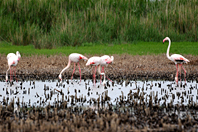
(12, 62)
(74, 57)
(104, 61)
(95, 61)
(177, 59)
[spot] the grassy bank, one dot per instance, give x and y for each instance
(54, 23)
(138, 48)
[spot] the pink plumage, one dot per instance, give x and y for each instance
(74, 57)
(177, 59)
(12, 62)
(96, 61)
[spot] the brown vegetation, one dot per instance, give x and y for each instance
(124, 66)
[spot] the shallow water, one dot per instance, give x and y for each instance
(41, 93)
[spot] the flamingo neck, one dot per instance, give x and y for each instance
(69, 63)
(112, 58)
(168, 49)
(99, 71)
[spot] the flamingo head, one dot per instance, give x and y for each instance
(87, 64)
(83, 58)
(18, 55)
(60, 77)
(167, 38)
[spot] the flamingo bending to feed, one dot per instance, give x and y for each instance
(95, 61)
(12, 62)
(104, 61)
(74, 57)
(177, 59)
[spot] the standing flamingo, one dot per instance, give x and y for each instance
(12, 62)
(74, 57)
(104, 61)
(95, 61)
(177, 59)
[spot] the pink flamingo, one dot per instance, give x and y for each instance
(177, 59)
(104, 61)
(12, 62)
(95, 61)
(74, 57)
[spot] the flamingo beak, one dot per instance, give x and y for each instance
(164, 41)
(85, 59)
(60, 79)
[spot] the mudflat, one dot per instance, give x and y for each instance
(124, 67)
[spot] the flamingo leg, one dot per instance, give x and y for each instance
(95, 75)
(105, 76)
(176, 77)
(184, 73)
(109, 79)
(101, 75)
(10, 74)
(180, 71)
(79, 71)
(73, 71)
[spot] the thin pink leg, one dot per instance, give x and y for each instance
(176, 74)
(79, 71)
(184, 72)
(101, 75)
(180, 72)
(73, 71)
(106, 76)
(108, 79)
(95, 75)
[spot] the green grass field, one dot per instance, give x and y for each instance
(138, 48)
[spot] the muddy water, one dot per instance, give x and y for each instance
(41, 93)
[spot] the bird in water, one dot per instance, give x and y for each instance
(177, 59)
(104, 61)
(96, 62)
(74, 57)
(12, 62)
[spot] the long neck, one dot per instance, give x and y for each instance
(7, 73)
(112, 58)
(99, 71)
(168, 49)
(69, 62)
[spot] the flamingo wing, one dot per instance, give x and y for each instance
(75, 57)
(179, 58)
(10, 55)
(93, 61)
(105, 59)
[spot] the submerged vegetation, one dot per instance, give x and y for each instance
(54, 23)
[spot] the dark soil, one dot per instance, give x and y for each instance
(130, 114)
(124, 67)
